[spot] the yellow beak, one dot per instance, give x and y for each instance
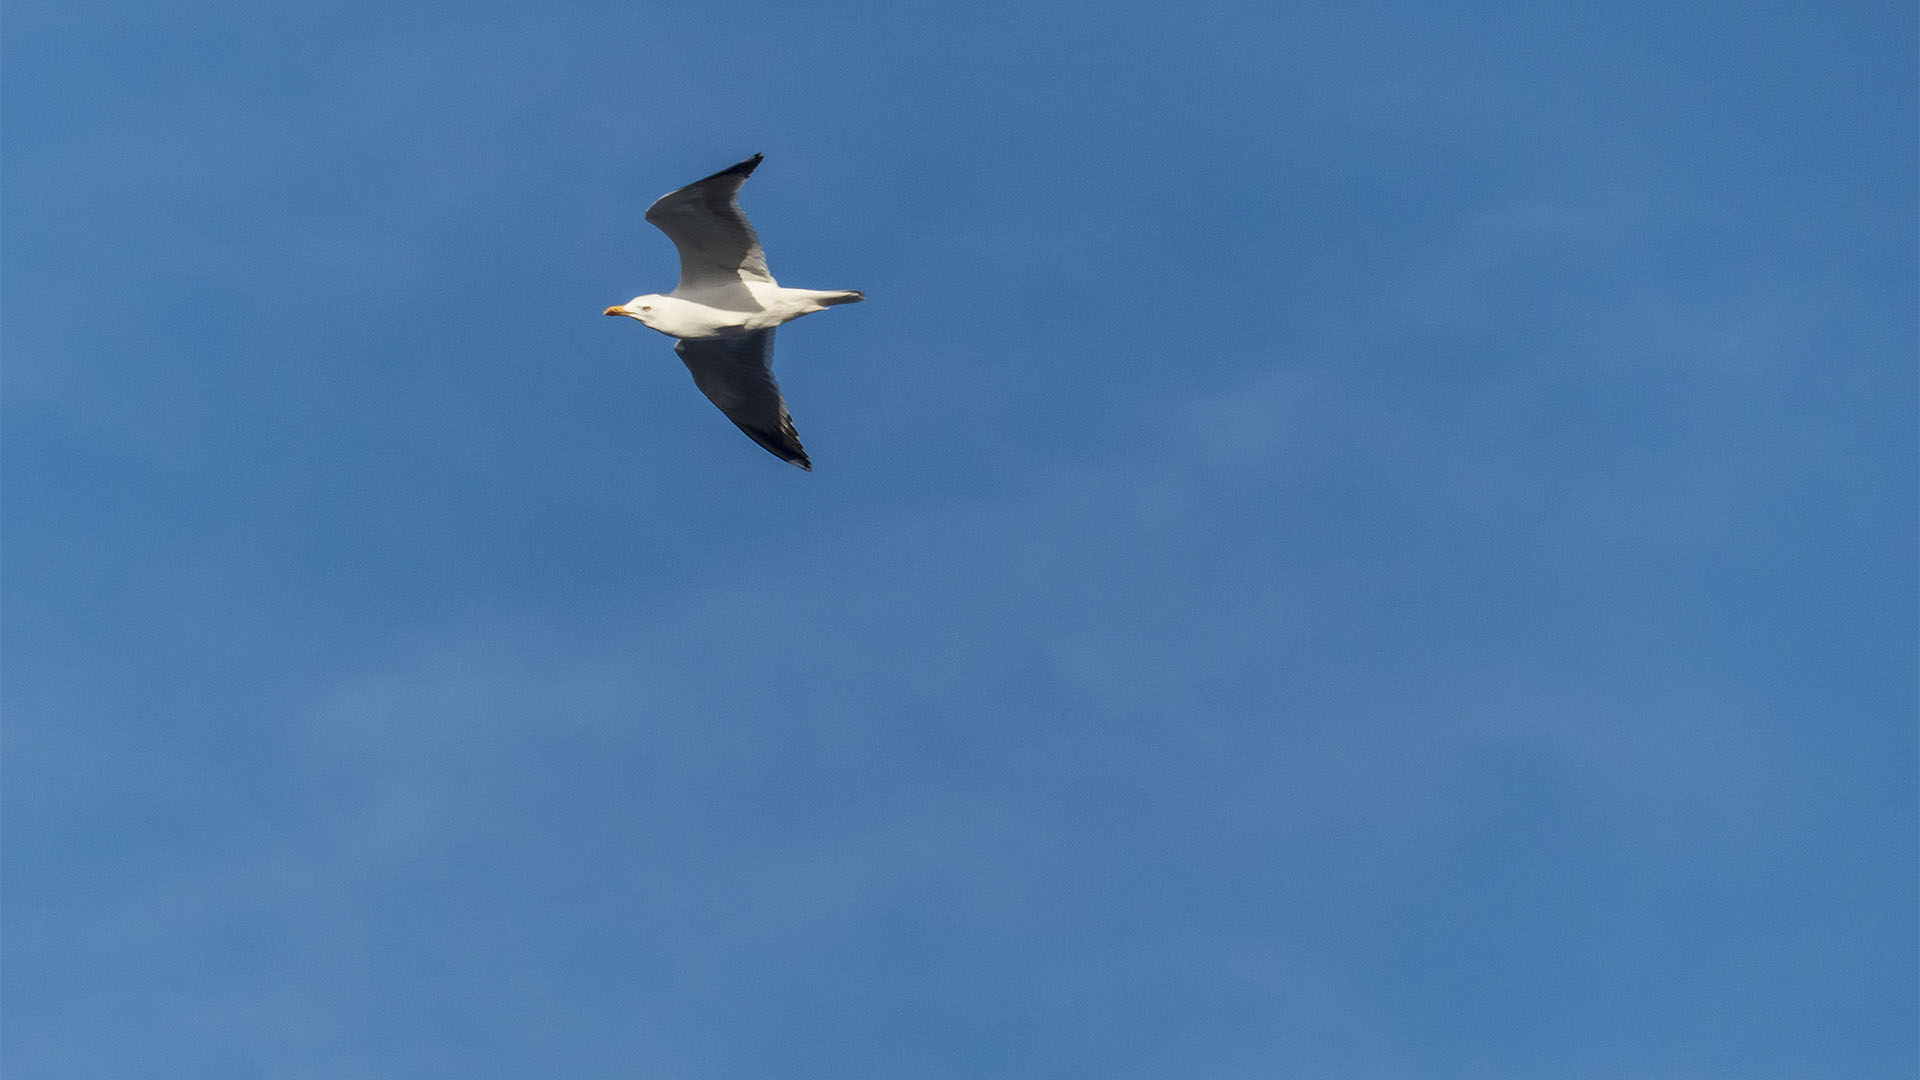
(615, 311)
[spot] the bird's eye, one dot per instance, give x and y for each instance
(646, 307)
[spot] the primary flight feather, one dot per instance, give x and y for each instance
(723, 312)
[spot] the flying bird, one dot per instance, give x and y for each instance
(723, 312)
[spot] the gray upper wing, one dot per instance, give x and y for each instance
(717, 243)
(736, 374)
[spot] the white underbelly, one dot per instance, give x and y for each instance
(728, 314)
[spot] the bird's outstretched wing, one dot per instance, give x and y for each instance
(736, 374)
(718, 246)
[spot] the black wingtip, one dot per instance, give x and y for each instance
(784, 445)
(745, 168)
(789, 453)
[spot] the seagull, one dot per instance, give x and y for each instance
(723, 312)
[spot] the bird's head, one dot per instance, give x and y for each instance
(640, 307)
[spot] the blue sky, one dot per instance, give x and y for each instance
(1346, 541)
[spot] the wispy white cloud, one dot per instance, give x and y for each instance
(1083, 720)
